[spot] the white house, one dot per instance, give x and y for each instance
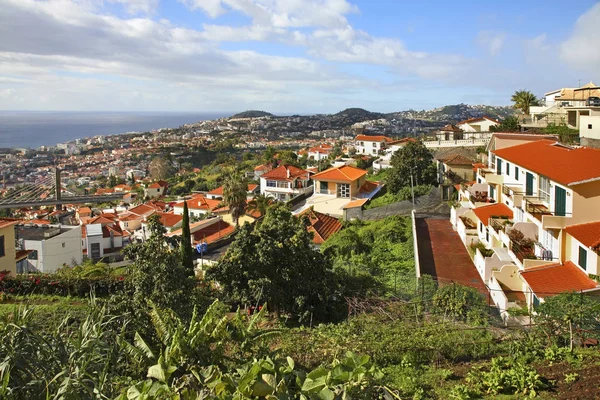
(198, 205)
(482, 124)
(371, 145)
(285, 182)
(102, 238)
(50, 247)
(320, 152)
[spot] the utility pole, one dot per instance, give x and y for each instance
(412, 189)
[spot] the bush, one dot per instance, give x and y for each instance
(60, 286)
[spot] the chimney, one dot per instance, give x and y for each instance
(287, 170)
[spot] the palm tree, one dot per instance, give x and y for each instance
(235, 188)
(524, 99)
(260, 203)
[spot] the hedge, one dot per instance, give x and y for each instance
(60, 286)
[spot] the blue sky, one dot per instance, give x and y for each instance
(289, 56)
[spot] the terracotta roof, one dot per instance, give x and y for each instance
(213, 232)
(100, 220)
(262, 167)
(484, 213)
(143, 209)
(322, 225)
(281, 173)
(219, 191)
(345, 173)
(476, 166)
(456, 159)
(452, 128)
(322, 148)
(169, 219)
(84, 210)
(471, 120)
(552, 279)
(368, 187)
(562, 164)
(200, 203)
(367, 138)
(588, 234)
(6, 222)
(22, 254)
(403, 141)
(130, 217)
(356, 203)
(115, 229)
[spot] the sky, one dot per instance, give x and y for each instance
(290, 56)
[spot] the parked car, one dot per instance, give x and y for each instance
(593, 101)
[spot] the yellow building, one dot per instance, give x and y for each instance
(7, 245)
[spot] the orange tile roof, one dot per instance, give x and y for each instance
(356, 203)
(6, 222)
(484, 213)
(84, 210)
(213, 232)
(142, 209)
(252, 187)
(552, 279)
(367, 138)
(452, 128)
(456, 159)
(216, 192)
(368, 187)
(200, 202)
(262, 167)
(470, 120)
(588, 234)
(169, 219)
(322, 148)
(281, 173)
(322, 225)
(560, 163)
(345, 173)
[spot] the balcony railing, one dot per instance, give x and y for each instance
(537, 208)
(500, 224)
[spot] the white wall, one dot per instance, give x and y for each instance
(593, 132)
(56, 251)
(572, 247)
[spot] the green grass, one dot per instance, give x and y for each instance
(48, 310)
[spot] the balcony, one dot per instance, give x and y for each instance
(491, 176)
(538, 210)
(515, 194)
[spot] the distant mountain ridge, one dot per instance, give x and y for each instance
(446, 114)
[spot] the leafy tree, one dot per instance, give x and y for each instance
(461, 302)
(564, 133)
(414, 160)
(235, 188)
(508, 124)
(160, 168)
(268, 154)
(112, 181)
(260, 203)
(523, 100)
(563, 313)
(187, 255)
(275, 262)
(157, 273)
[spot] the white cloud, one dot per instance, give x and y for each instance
(582, 48)
(492, 42)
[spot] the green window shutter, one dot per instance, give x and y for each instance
(529, 184)
(492, 192)
(507, 168)
(582, 258)
(536, 301)
(560, 201)
(498, 166)
(516, 173)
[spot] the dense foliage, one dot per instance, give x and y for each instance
(411, 165)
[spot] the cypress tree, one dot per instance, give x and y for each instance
(187, 256)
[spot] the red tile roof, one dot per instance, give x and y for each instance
(560, 163)
(169, 220)
(200, 202)
(451, 128)
(213, 232)
(484, 213)
(368, 187)
(6, 222)
(262, 167)
(470, 120)
(367, 138)
(588, 234)
(322, 148)
(281, 173)
(322, 225)
(456, 159)
(356, 203)
(345, 173)
(552, 279)
(219, 191)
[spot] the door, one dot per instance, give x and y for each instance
(529, 184)
(95, 250)
(560, 201)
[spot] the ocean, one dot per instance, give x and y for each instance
(32, 129)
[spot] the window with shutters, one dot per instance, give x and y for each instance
(582, 258)
(544, 189)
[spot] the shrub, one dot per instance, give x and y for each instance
(60, 286)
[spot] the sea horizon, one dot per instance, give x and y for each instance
(36, 128)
